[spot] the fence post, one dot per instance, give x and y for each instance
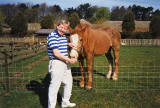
(11, 50)
(6, 73)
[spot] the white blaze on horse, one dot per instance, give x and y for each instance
(95, 42)
(75, 40)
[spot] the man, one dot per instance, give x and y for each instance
(59, 66)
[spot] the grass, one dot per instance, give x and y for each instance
(138, 85)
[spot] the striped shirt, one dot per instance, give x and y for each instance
(55, 41)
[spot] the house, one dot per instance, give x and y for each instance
(32, 27)
(43, 32)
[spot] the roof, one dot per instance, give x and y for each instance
(44, 31)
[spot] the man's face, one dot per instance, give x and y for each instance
(62, 28)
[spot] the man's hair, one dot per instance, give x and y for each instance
(63, 22)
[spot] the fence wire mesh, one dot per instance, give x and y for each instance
(134, 74)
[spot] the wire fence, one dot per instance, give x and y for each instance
(139, 70)
(13, 57)
(138, 76)
(130, 78)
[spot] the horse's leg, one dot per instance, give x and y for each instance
(81, 63)
(116, 57)
(89, 69)
(110, 61)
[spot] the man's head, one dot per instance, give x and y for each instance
(62, 26)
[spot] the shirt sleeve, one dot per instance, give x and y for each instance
(52, 42)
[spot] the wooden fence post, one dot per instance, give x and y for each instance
(11, 50)
(6, 73)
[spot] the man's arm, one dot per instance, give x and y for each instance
(62, 57)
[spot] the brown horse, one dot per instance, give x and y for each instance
(96, 42)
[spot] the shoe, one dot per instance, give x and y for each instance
(65, 105)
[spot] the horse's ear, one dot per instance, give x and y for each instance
(84, 26)
(71, 31)
(81, 27)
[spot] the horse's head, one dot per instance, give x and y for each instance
(76, 37)
(77, 41)
(80, 29)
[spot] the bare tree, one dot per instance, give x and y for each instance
(43, 9)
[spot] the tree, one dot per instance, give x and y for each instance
(32, 15)
(92, 13)
(102, 14)
(156, 13)
(35, 9)
(56, 11)
(155, 26)
(74, 19)
(9, 11)
(1, 30)
(43, 9)
(47, 22)
(19, 25)
(128, 25)
(2, 19)
(142, 13)
(117, 13)
(22, 7)
(69, 11)
(84, 11)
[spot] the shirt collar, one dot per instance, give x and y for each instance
(56, 31)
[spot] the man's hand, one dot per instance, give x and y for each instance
(64, 58)
(72, 45)
(72, 60)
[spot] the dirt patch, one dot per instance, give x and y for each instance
(19, 74)
(35, 63)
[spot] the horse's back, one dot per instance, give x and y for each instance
(100, 39)
(114, 35)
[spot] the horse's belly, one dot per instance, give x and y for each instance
(101, 50)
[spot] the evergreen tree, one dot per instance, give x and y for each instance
(128, 25)
(74, 19)
(47, 22)
(19, 25)
(155, 26)
(2, 18)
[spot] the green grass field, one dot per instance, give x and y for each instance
(138, 85)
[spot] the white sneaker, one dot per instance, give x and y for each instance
(64, 105)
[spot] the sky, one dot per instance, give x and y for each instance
(64, 4)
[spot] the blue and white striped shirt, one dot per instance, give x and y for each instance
(55, 41)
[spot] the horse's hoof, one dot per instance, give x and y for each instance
(81, 86)
(115, 78)
(108, 77)
(88, 87)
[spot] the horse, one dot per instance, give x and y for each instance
(95, 42)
